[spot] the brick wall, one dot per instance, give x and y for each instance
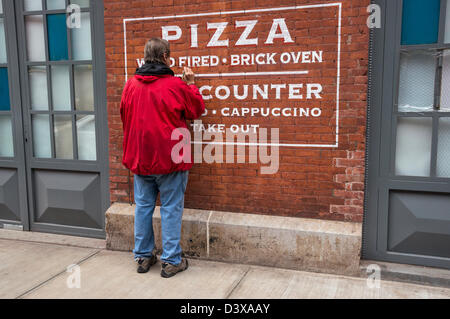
(325, 183)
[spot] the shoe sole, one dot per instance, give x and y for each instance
(166, 275)
(142, 270)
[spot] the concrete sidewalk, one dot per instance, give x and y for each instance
(35, 265)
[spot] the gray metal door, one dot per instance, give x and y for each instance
(407, 217)
(13, 191)
(56, 178)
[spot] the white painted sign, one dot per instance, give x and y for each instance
(256, 68)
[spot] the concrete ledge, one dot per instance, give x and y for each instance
(285, 242)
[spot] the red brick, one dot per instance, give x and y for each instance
(314, 183)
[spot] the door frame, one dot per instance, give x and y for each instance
(380, 173)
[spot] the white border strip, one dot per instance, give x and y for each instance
(338, 80)
(207, 233)
(262, 144)
(338, 4)
(236, 12)
(250, 73)
(215, 75)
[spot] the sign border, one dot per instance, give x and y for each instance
(338, 4)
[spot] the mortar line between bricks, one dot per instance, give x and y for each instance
(237, 285)
(79, 262)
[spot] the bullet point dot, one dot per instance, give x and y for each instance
(224, 60)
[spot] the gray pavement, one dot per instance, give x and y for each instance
(34, 265)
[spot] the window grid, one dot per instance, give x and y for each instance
(438, 48)
(48, 65)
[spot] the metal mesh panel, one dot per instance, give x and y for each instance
(445, 86)
(417, 77)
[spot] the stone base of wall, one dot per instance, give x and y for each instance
(284, 242)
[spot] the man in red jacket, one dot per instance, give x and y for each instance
(154, 104)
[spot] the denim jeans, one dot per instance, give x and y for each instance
(171, 188)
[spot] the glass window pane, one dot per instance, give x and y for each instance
(445, 85)
(417, 76)
(81, 39)
(41, 136)
(2, 42)
(443, 155)
(63, 136)
(420, 22)
(1, 6)
(5, 104)
(32, 5)
(56, 4)
(81, 3)
(87, 146)
(57, 37)
(84, 88)
(61, 87)
(6, 136)
(413, 148)
(34, 26)
(38, 88)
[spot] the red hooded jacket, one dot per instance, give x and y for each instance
(152, 107)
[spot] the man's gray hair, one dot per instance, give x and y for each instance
(155, 50)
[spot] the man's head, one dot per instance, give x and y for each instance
(157, 50)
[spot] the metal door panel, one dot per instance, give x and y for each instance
(67, 198)
(419, 223)
(9, 195)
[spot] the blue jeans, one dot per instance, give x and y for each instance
(171, 188)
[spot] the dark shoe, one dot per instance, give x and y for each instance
(169, 270)
(144, 264)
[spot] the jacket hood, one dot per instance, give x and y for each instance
(154, 69)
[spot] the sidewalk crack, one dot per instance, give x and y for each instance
(239, 282)
(79, 262)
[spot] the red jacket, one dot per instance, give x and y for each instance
(152, 107)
